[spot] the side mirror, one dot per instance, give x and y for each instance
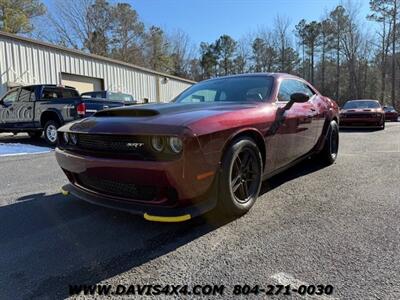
(296, 98)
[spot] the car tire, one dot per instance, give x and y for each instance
(240, 178)
(330, 150)
(35, 134)
(50, 132)
(382, 126)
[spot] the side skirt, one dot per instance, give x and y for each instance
(288, 166)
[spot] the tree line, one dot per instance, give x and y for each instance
(335, 53)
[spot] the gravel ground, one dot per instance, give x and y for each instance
(337, 225)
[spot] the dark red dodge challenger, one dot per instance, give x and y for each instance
(362, 113)
(210, 148)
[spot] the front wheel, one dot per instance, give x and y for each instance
(330, 151)
(50, 132)
(240, 178)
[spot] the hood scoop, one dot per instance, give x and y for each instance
(127, 113)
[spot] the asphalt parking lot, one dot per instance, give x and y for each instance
(337, 225)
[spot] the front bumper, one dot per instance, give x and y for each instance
(169, 188)
(391, 117)
(151, 213)
(361, 121)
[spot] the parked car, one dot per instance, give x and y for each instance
(112, 96)
(362, 113)
(43, 108)
(390, 114)
(210, 148)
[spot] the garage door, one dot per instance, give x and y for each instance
(82, 83)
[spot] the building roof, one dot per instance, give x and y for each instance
(92, 56)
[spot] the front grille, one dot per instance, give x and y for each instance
(116, 146)
(118, 189)
(113, 143)
(360, 116)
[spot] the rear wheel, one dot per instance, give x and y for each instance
(329, 153)
(50, 132)
(240, 178)
(35, 134)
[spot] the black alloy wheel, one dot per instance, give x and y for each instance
(245, 175)
(240, 178)
(330, 150)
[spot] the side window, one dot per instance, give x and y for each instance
(308, 90)
(69, 93)
(290, 86)
(27, 94)
(286, 88)
(11, 97)
(51, 93)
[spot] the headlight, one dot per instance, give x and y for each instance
(66, 137)
(74, 138)
(175, 144)
(158, 143)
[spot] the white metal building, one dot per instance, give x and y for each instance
(25, 61)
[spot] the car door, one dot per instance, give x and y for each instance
(23, 108)
(7, 109)
(307, 119)
(319, 107)
(295, 136)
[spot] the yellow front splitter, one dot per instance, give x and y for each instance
(167, 219)
(64, 192)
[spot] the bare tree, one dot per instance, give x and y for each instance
(351, 41)
(281, 25)
(83, 24)
(339, 19)
(181, 51)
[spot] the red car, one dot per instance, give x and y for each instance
(210, 148)
(362, 113)
(390, 114)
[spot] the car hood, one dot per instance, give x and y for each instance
(151, 118)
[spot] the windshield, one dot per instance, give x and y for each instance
(361, 104)
(244, 88)
(120, 97)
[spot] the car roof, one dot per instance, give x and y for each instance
(102, 91)
(371, 100)
(275, 75)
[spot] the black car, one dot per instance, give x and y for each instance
(108, 95)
